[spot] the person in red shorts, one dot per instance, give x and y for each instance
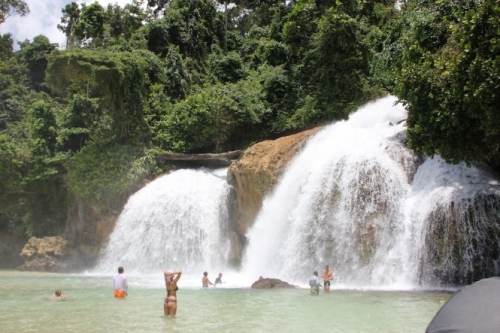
(120, 285)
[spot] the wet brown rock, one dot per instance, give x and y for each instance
(270, 283)
(257, 170)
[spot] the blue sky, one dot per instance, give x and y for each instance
(43, 19)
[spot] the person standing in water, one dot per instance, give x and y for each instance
(170, 302)
(205, 281)
(120, 285)
(327, 278)
(218, 280)
(314, 283)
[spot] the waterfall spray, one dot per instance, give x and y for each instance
(349, 200)
(178, 221)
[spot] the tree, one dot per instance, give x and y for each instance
(69, 20)
(6, 49)
(9, 8)
(450, 79)
(35, 56)
(191, 25)
(120, 81)
(124, 22)
(217, 118)
(158, 5)
(91, 24)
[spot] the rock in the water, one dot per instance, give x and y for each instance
(269, 283)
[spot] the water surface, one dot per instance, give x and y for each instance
(25, 307)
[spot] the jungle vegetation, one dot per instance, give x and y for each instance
(85, 120)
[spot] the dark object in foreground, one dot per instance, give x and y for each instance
(473, 308)
(268, 283)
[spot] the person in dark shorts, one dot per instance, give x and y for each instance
(327, 277)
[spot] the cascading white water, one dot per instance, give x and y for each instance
(349, 200)
(354, 198)
(178, 221)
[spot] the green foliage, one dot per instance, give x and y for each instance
(197, 79)
(212, 119)
(90, 27)
(191, 25)
(227, 68)
(77, 123)
(35, 56)
(300, 25)
(10, 8)
(104, 174)
(450, 79)
(13, 92)
(120, 81)
(69, 21)
(177, 77)
(9, 168)
(336, 64)
(43, 128)
(124, 22)
(6, 50)
(280, 94)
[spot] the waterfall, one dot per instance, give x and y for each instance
(178, 221)
(356, 199)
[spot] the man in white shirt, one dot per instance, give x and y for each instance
(120, 285)
(314, 283)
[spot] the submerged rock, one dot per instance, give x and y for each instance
(269, 283)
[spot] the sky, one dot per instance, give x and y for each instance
(43, 19)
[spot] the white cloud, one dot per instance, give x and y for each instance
(43, 19)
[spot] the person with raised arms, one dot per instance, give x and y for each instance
(170, 302)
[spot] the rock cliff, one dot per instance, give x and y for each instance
(253, 176)
(258, 169)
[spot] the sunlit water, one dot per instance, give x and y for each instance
(25, 307)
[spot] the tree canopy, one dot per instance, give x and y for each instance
(86, 119)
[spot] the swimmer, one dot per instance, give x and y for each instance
(57, 296)
(120, 285)
(205, 281)
(170, 302)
